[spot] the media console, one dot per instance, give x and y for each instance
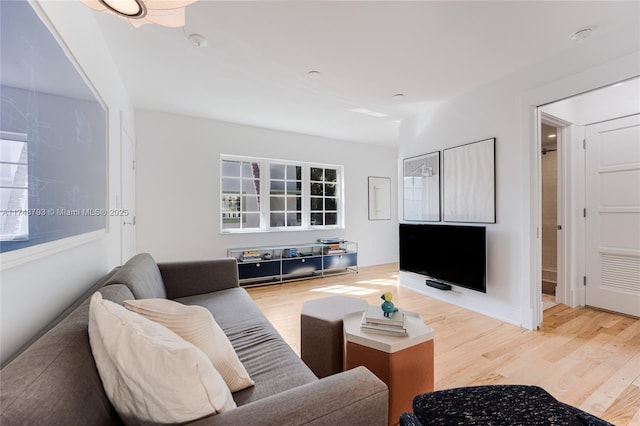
(275, 264)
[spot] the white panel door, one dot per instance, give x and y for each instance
(128, 187)
(613, 215)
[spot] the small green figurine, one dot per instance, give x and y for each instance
(387, 306)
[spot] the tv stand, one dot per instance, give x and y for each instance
(438, 285)
(277, 264)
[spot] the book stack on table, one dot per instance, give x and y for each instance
(374, 321)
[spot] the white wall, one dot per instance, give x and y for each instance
(178, 186)
(504, 110)
(38, 284)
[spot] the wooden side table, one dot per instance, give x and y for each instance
(404, 363)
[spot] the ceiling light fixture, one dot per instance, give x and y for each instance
(140, 12)
(313, 74)
(398, 96)
(551, 136)
(581, 34)
(369, 112)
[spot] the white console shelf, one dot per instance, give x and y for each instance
(275, 264)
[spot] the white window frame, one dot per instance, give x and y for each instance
(15, 215)
(265, 180)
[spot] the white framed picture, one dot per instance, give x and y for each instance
(379, 198)
(469, 182)
(421, 188)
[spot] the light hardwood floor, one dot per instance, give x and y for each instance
(583, 357)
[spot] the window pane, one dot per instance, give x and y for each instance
(316, 189)
(330, 219)
(294, 203)
(230, 185)
(277, 219)
(316, 173)
(330, 189)
(230, 168)
(250, 186)
(294, 219)
(230, 207)
(276, 203)
(330, 175)
(13, 151)
(317, 219)
(250, 220)
(294, 172)
(277, 187)
(251, 204)
(14, 199)
(294, 187)
(330, 204)
(230, 223)
(316, 203)
(277, 171)
(230, 203)
(14, 175)
(251, 170)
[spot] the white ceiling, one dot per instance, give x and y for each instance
(254, 70)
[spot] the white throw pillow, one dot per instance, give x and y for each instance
(149, 373)
(195, 324)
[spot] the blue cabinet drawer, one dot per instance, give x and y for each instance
(304, 265)
(258, 269)
(341, 261)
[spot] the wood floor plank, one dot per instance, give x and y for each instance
(585, 357)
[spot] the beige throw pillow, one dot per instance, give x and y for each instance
(150, 374)
(195, 324)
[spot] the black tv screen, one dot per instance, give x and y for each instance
(451, 254)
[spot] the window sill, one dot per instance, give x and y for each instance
(271, 230)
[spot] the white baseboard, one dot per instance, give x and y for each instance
(481, 303)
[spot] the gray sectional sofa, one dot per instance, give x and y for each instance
(55, 381)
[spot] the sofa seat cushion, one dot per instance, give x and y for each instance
(142, 275)
(150, 374)
(270, 362)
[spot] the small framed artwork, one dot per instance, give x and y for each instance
(379, 198)
(470, 182)
(421, 187)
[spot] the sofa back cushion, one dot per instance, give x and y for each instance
(150, 374)
(142, 276)
(55, 380)
(196, 325)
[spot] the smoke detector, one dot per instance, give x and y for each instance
(198, 40)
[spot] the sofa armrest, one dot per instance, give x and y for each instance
(189, 278)
(355, 397)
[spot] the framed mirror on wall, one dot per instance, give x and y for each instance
(421, 187)
(53, 136)
(469, 182)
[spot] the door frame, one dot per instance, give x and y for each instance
(126, 137)
(617, 70)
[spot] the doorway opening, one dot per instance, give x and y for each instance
(550, 197)
(580, 205)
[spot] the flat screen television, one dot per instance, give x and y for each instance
(449, 254)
